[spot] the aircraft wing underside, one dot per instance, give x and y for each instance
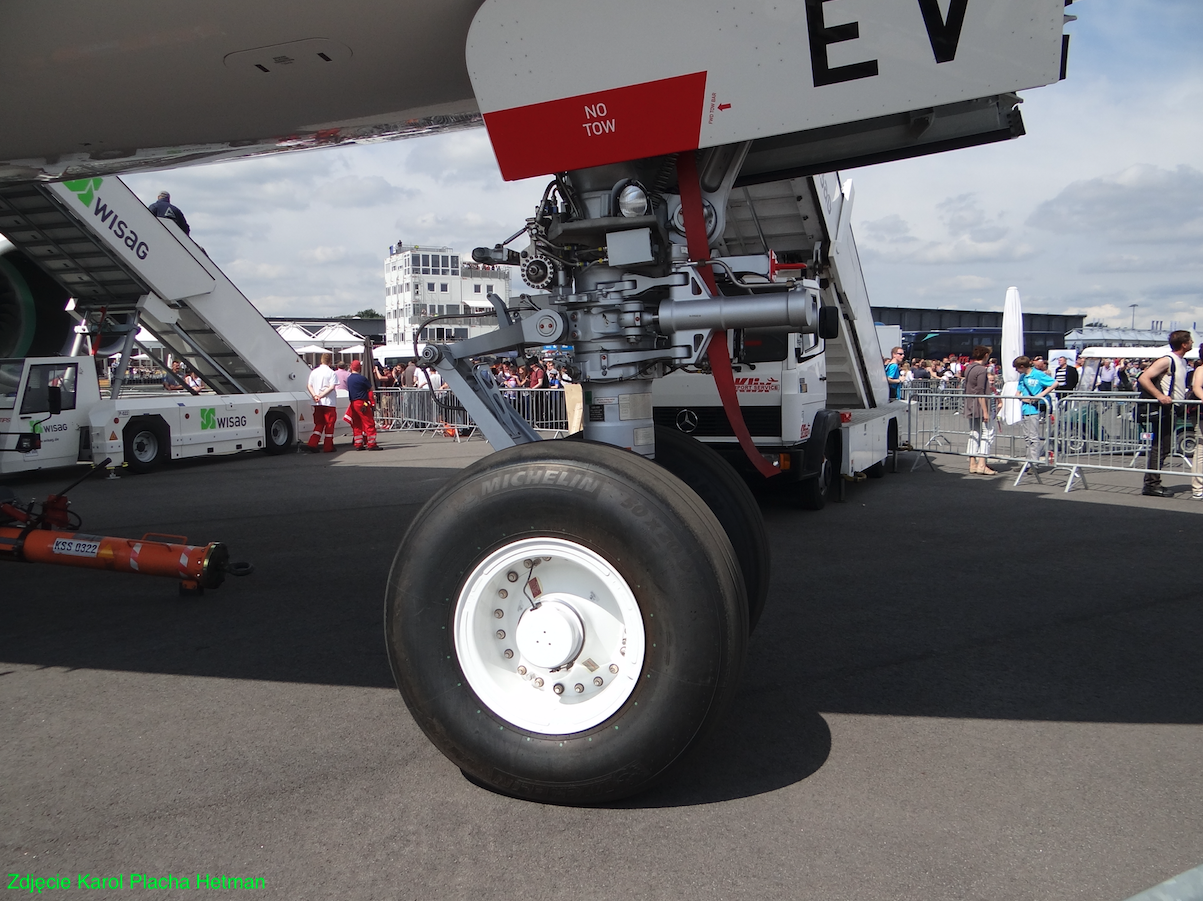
(92, 89)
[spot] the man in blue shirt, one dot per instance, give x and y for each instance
(1034, 386)
(363, 417)
(894, 371)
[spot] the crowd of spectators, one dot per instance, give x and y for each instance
(1117, 374)
(521, 373)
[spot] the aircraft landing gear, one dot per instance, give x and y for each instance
(564, 620)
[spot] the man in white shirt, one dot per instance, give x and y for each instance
(323, 386)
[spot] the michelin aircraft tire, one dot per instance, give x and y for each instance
(730, 499)
(622, 628)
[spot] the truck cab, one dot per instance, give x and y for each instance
(26, 405)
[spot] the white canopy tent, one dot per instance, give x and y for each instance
(338, 336)
(1133, 353)
(292, 333)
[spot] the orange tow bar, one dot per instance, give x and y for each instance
(44, 535)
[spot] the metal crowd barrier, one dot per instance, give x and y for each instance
(938, 424)
(438, 412)
(1112, 431)
(1079, 432)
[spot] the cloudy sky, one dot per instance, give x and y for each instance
(1098, 207)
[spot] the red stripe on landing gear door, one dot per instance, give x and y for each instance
(613, 126)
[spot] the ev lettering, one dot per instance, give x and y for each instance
(943, 34)
(598, 125)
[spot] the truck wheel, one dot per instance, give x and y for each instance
(730, 500)
(277, 433)
(146, 444)
(812, 494)
(564, 620)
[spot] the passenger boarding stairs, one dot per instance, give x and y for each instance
(123, 266)
(791, 217)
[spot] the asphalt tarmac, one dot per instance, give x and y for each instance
(959, 690)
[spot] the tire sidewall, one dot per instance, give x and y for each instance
(728, 496)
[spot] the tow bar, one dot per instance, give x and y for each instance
(43, 533)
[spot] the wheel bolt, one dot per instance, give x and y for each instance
(598, 680)
(614, 667)
(508, 653)
(529, 564)
(501, 633)
(539, 682)
(503, 594)
(522, 671)
(558, 688)
(578, 688)
(499, 613)
(512, 576)
(623, 651)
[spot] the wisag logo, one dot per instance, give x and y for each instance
(85, 190)
(210, 420)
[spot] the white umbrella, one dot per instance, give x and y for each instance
(312, 349)
(1012, 347)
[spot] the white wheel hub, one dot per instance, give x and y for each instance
(549, 635)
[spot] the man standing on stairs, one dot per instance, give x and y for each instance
(165, 209)
(322, 388)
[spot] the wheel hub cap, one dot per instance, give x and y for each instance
(551, 634)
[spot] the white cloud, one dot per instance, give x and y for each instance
(250, 269)
(890, 229)
(462, 156)
(965, 283)
(1107, 312)
(361, 191)
(967, 250)
(1140, 204)
(324, 254)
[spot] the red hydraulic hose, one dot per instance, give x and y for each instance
(717, 353)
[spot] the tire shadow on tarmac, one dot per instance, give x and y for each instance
(760, 746)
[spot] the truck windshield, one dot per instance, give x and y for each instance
(10, 379)
(762, 345)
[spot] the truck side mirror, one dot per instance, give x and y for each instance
(829, 322)
(54, 397)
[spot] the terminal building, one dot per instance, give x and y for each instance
(934, 334)
(425, 281)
